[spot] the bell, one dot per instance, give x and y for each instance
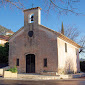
(32, 18)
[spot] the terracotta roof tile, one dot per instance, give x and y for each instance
(10, 31)
(31, 9)
(4, 37)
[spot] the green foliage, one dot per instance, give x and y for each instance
(6, 46)
(1, 45)
(62, 29)
(13, 70)
(9, 35)
(4, 52)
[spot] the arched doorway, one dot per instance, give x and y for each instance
(30, 63)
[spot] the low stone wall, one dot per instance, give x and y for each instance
(6, 68)
(47, 77)
(3, 69)
(49, 73)
(63, 76)
(68, 76)
(1, 72)
(8, 74)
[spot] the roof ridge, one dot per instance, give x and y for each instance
(31, 9)
(61, 35)
(16, 32)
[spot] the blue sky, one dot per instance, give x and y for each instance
(14, 18)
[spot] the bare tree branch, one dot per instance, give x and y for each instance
(71, 32)
(67, 7)
(15, 3)
(82, 43)
(61, 6)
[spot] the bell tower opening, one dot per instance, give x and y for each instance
(31, 18)
(32, 15)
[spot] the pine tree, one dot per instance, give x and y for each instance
(62, 29)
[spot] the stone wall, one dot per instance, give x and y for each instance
(68, 62)
(43, 44)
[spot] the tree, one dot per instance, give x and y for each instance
(62, 29)
(4, 52)
(73, 33)
(6, 46)
(82, 44)
(60, 6)
(16, 3)
(70, 32)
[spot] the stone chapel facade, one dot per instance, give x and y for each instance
(35, 48)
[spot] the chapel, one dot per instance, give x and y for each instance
(35, 48)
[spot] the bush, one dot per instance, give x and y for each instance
(13, 70)
(4, 52)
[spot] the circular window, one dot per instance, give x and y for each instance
(30, 33)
